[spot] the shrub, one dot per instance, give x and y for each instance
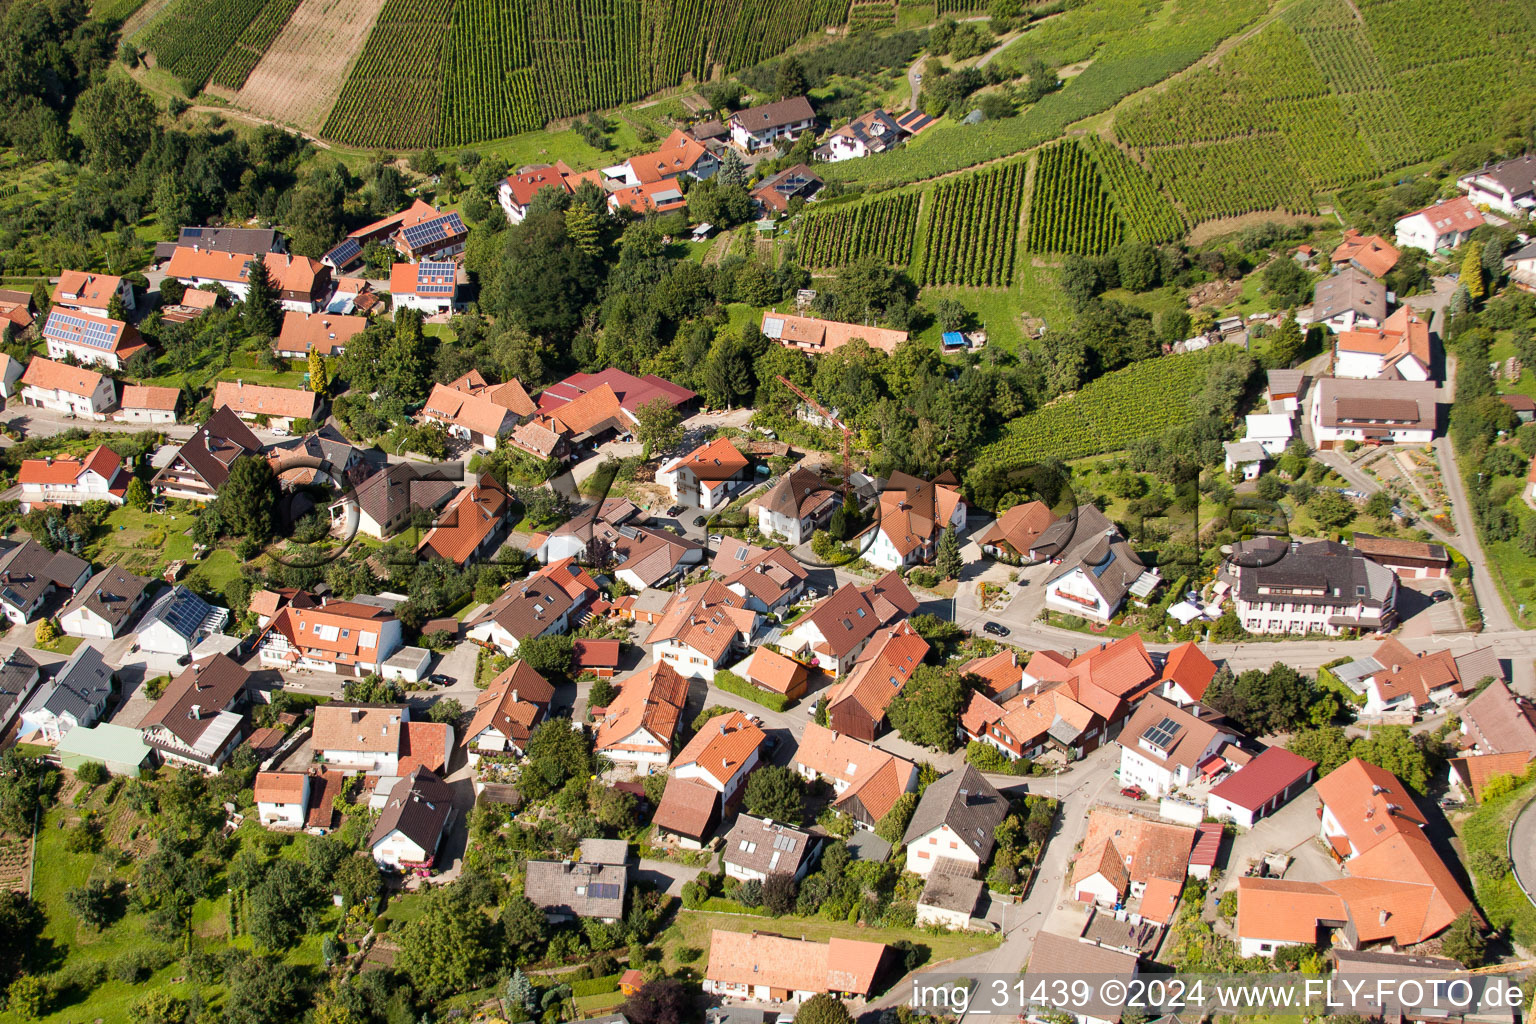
(92, 773)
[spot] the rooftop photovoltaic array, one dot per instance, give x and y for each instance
(345, 253)
(603, 891)
(1163, 733)
(80, 330)
(185, 612)
(435, 279)
(783, 843)
(434, 230)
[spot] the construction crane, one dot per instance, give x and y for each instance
(847, 434)
(1504, 968)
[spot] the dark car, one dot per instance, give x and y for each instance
(995, 628)
(1440, 595)
(438, 679)
(677, 510)
(700, 520)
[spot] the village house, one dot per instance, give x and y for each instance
(1001, 674)
(949, 901)
(279, 409)
(1244, 458)
(142, 404)
(630, 392)
(1440, 227)
(222, 239)
(819, 337)
(321, 457)
(548, 602)
(1129, 858)
(1472, 774)
(1347, 300)
(199, 719)
(641, 556)
(431, 287)
(705, 628)
(1270, 431)
(326, 333)
(1187, 674)
(471, 526)
(91, 339)
(571, 890)
(102, 607)
(856, 705)
(1017, 532)
(721, 755)
(282, 799)
(1508, 186)
(651, 196)
(67, 389)
(770, 671)
(417, 814)
(432, 238)
(177, 622)
(1399, 349)
(507, 711)
(757, 848)
(708, 475)
(866, 781)
(1105, 679)
(1165, 747)
(1059, 956)
(384, 502)
(100, 476)
(769, 578)
(1283, 389)
(379, 739)
(200, 468)
(19, 673)
(16, 309)
(835, 632)
(774, 192)
(754, 128)
(343, 637)
(798, 503)
(1408, 559)
(477, 411)
(688, 814)
(1397, 888)
(10, 370)
(678, 155)
(516, 191)
(872, 132)
(86, 292)
(30, 573)
(637, 730)
(779, 969)
(75, 698)
(1499, 721)
(1098, 569)
(1370, 254)
(1261, 787)
(302, 284)
(1028, 725)
(1394, 678)
(1374, 412)
(914, 513)
(955, 821)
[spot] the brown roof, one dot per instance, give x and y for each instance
(52, 376)
(208, 685)
(687, 808)
(419, 806)
(1184, 748)
(1476, 772)
(1499, 721)
(1349, 290)
(401, 487)
(797, 494)
(722, 746)
(770, 847)
(259, 400)
(653, 702)
(1020, 527)
(512, 703)
(1147, 849)
(137, 396)
(279, 787)
(357, 727)
(815, 335)
(767, 575)
(774, 115)
(707, 617)
(324, 331)
(1389, 548)
(1061, 956)
(775, 961)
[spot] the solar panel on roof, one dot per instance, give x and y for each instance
(186, 612)
(603, 891)
(70, 328)
(1163, 732)
(434, 230)
(345, 253)
(783, 843)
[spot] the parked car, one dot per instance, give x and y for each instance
(677, 510)
(700, 520)
(1133, 792)
(1440, 595)
(438, 679)
(995, 628)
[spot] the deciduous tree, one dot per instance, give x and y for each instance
(451, 948)
(776, 792)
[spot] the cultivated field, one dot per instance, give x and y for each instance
(301, 75)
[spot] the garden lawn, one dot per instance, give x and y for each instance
(603, 1002)
(65, 645)
(129, 538)
(1486, 832)
(693, 928)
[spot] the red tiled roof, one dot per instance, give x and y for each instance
(1263, 778)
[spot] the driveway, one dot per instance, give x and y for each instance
(667, 876)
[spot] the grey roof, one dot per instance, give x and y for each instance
(111, 594)
(18, 674)
(1286, 382)
(418, 806)
(326, 443)
(1311, 572)
(29, 568)
(191, 703)
(1517, 174)
(775, 115)
(1239, 452)
(1094, 545)
(1501, 720)
(181, 610)
(604, 851)
(1365, 961)
(865, 845)
(1479, 664)
(969, 804)
(769, 847)
(1346, 290)
(734, 1015)
(954, 893)
(577, 889)
(82, 685)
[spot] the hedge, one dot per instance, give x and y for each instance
(596, 986)
(730, 682)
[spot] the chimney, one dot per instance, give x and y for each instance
(357, 714)
(514, 696)
(196, 712)
(1383, 917)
